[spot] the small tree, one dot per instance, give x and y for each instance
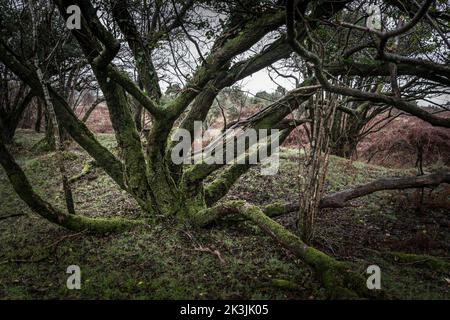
(314, 163)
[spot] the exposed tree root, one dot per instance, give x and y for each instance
(25, 191)
(336, 276)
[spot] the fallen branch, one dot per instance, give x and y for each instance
(340, 199)
(200, 247)
(213, 252)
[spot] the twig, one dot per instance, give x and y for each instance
(199, 247)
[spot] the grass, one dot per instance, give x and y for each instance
(227, 261)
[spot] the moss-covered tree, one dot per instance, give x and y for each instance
(145, 169)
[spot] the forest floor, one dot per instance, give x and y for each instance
(229, 260)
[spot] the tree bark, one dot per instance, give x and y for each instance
(38, 123)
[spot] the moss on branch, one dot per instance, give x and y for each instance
(419, 259)
(336, 276)
(25, 191)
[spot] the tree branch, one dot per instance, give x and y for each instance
(369, 96)
(77, 129)
(334, 275)
(340, 199)
(73, 222)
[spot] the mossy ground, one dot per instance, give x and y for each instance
(226, 261)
